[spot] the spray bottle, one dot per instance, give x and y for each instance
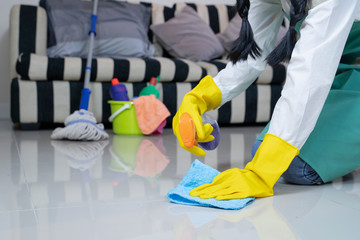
(187, 131)
(150, 89)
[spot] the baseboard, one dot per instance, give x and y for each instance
(4, 111)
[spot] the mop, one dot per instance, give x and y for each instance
(81, 125)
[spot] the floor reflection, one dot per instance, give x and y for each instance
(117, 190)
(145, 157)
(81, 155)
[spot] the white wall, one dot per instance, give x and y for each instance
(5, 6)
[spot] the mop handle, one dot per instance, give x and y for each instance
(85, 93)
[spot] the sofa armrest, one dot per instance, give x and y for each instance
(28, 32)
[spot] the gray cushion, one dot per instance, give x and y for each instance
(232, 32)
(188, 36)
(121, 29)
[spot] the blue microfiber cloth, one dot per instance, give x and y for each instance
(200, 174)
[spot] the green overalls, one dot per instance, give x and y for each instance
(333, 147)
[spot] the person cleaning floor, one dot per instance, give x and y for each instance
(313, 135)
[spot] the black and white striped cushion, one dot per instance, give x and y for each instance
(41, 68)
(53, 101)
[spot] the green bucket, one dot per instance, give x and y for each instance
(123, 118)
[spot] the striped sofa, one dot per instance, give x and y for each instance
(44, 90)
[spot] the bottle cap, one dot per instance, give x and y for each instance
(114, 81)
(153, 81)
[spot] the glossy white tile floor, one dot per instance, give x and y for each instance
(117, 190)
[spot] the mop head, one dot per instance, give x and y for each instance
(82, 126)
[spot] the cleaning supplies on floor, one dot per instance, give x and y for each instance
(150, 113)
(200, 174)
(118, 91)
(145, 114)
(187, 131)
(123, 118)
(123, 115)
(150, 89)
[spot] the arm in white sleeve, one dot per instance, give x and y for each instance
(265, 18)
(312, 69)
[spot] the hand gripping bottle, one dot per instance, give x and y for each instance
(150, 89)
(118, 91)
(187, 131)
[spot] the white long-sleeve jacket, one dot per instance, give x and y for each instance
(311, 69)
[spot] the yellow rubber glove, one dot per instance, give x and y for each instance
(257, 178)
(204, 97)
